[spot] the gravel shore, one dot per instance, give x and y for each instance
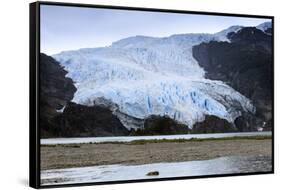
(81, 155)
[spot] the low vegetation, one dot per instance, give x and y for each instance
(147, 141)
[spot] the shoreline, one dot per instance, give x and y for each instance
(140, 152)
(78, 140)
(221, 165)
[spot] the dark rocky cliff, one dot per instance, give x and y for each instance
(83, 121)
(161, 125)
(213, 124)
(55, 91)
(246, 65)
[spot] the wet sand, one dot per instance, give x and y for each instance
(82, 155)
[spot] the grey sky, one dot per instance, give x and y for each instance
(69, 28)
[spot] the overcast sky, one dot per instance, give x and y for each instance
(70, 28)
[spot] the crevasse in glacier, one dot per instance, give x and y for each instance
(146, 76)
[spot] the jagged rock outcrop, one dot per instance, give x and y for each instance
(161, 125)
(246, 65)
(86, 121)
(55, 91)
(213, 124)
(53, 83)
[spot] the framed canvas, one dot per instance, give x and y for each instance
(122, 94)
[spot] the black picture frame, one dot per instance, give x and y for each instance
(34, 130)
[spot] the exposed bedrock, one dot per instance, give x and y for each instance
(157, 125)
(163, 125)
(246, 65)
(85, 121)
(55, 91)
(213, 124)
(53, 83)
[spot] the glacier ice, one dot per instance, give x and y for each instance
(146, 76)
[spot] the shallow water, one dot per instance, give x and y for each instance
(131, 138)
(222, 165)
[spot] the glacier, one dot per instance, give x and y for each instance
(143, 76)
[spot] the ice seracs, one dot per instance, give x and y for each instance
(145, 76)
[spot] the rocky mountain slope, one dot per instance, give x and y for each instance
(244, 64)
(55, 91)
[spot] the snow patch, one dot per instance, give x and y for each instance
(60, 110)
(264, 26)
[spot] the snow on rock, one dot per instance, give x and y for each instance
(60, 110)
(264, 26)
(146, 76)
(222, 35)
